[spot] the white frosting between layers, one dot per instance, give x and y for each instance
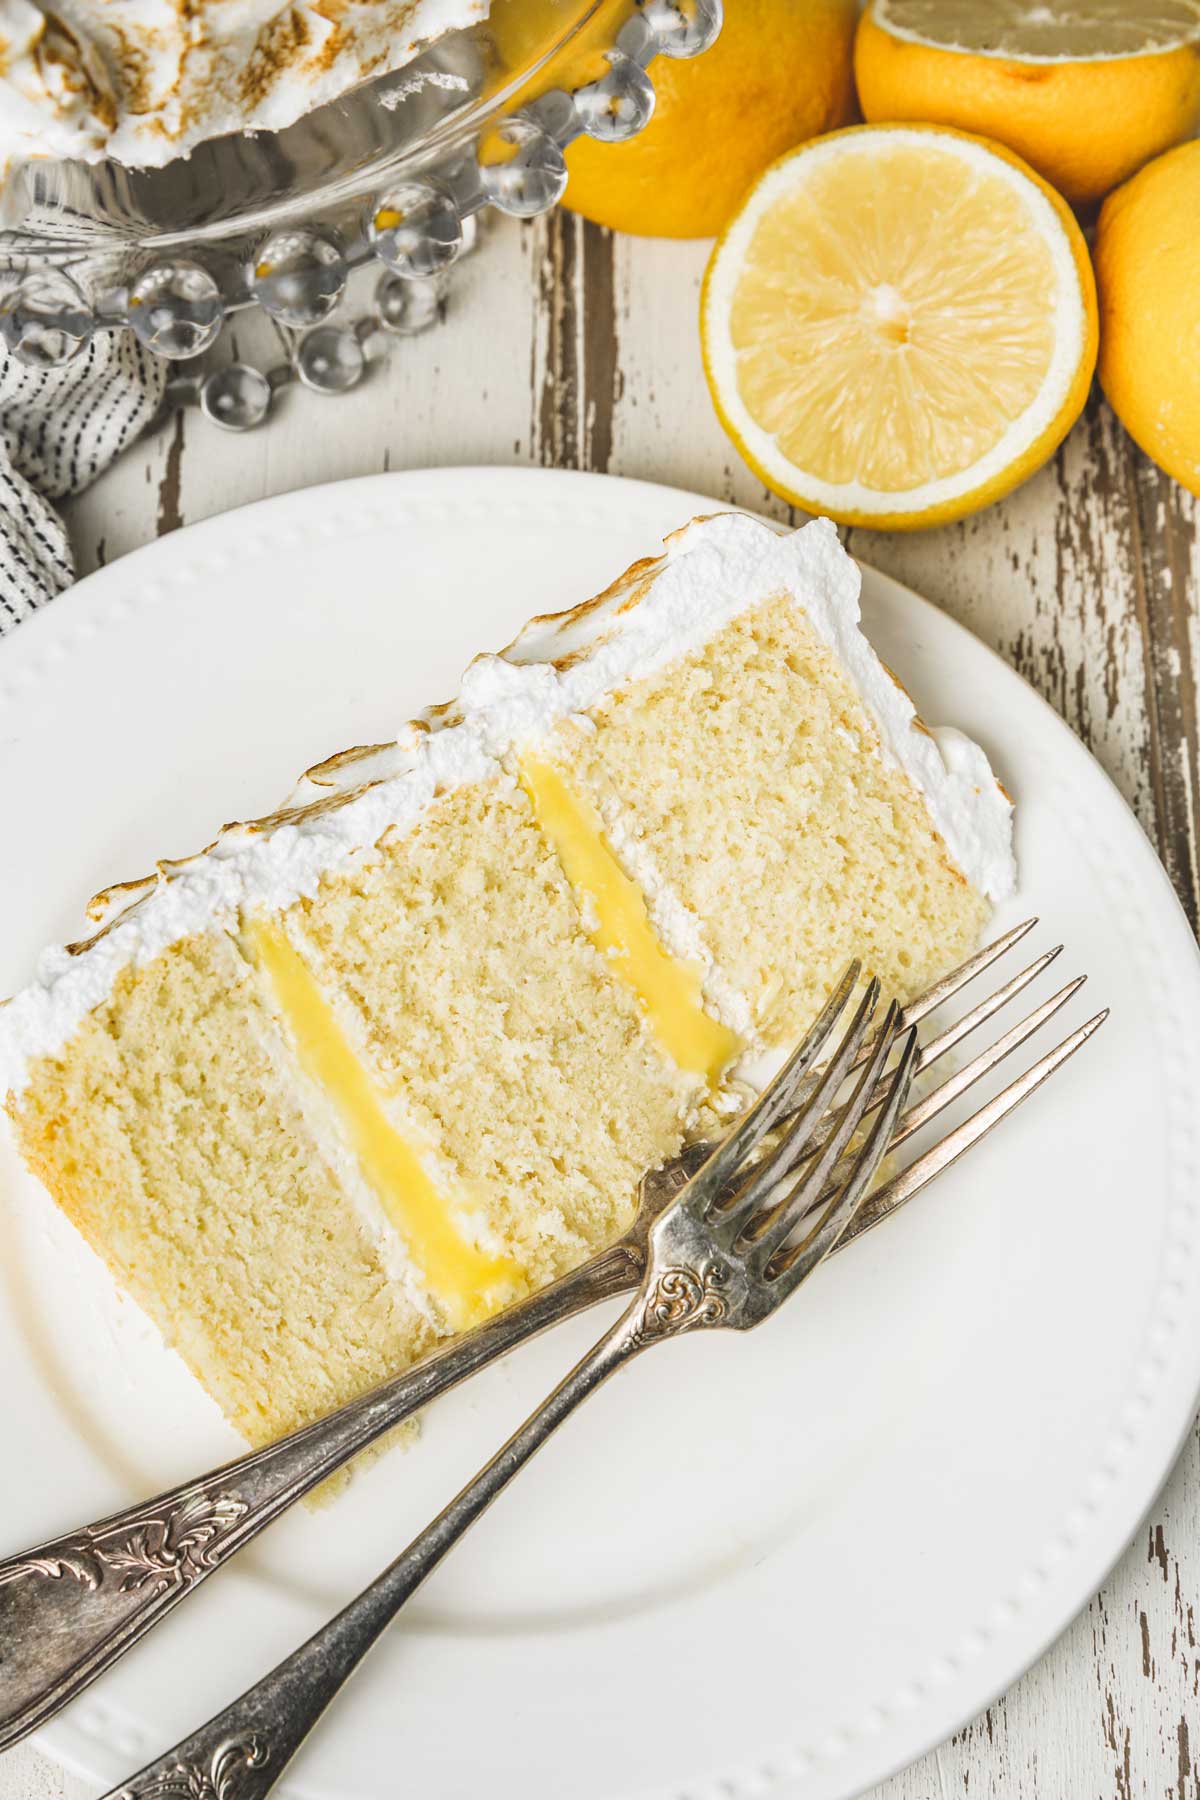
(331, 1146)
(143, 81)
(713, 570)
(677, 928)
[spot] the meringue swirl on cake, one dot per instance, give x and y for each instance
(144, 81)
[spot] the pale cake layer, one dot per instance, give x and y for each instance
(169, 1136)
(753, 776)
(225, 1176)
(478, 999)
(657, 616)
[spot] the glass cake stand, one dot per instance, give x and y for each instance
(394, 173)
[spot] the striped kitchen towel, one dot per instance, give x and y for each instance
(58, 429)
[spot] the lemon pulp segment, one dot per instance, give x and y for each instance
(891, 322)
(618, 923)
(468, 1282)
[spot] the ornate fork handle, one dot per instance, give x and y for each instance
(69, 1608)
(714, 1259)
(241, 1753)
(721, 1254)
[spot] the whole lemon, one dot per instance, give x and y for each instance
(1147, 258)
(780, 72)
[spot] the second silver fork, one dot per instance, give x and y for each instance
(72, 1606)
(720, 1254)
(723, 1254)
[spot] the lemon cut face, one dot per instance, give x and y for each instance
(899, 325)
(1044, 33)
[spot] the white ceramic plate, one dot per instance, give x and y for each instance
(775, 1566)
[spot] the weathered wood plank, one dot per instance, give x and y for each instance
(1045, 579)
(446, 396)
(1164, 524)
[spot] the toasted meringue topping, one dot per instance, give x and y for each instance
(143, 81)
(558, 667)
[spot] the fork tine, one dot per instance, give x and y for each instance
(787, 1152)
(829, 1232)
(940, 1097)
(793, 1084)
(986, 1009)
(775, 1100)
(954, 1033)
(957, 1084)
(901, 1188)
(949, 985)
(767, 1232)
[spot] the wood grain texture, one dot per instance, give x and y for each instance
(564, 346)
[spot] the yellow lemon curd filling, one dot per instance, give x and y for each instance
(467, 1282)
(618, 923)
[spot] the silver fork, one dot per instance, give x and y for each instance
(716, 1256)
(724, 1252)
(70, 1607)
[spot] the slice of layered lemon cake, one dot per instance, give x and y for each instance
(363, 1071)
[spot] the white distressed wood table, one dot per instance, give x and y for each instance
(565, 346)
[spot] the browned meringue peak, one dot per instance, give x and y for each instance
(143, 81)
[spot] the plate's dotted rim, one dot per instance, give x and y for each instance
(787, 1765)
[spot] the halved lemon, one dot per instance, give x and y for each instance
(1086, 94)
(899, 325)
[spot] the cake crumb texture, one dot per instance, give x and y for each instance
(478, 998)
(756, 776)
(170, 1139)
